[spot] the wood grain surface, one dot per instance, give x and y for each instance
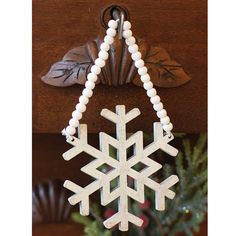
(178, 26)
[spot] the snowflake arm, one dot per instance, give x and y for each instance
(160, 142)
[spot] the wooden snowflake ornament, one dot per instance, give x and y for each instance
(122, 168)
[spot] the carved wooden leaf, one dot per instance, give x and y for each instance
(71, 70)
(164, 71)
(119, 68)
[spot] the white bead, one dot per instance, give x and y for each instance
(139, 63)
(95, 69)
(100, 62)
(103, 55)
(158, 106)
(148, 85)
(80, 107)
(70, 130)
(130, 41)
(90, 85)
(84, 99)
(105, 46)
(92, 77)
(112, 24)
(155, 100)
(145, 78)
(165, 120)
(142, 71)
(168, 127)
(108, 39)
(162, 113)
(136, 56)
(126, 25)
(76, 115)
(133, 48)
(87, 93)
(151, 92)
(111, 32)
(74, 123)
(127, 34)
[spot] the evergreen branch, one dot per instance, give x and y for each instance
(156, 220)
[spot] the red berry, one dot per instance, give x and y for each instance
(145, 205)
(109, 213)
(145, 221)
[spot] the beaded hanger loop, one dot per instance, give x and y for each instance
(133, 48)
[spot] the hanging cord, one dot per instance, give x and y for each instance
(92, 77)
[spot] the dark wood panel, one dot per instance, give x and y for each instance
(68, 229)
(178, 26)
(71, 229)
(48, 162)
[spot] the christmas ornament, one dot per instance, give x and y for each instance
(121, 167)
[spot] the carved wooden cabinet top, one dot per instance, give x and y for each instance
(119, 68)
(69, 28)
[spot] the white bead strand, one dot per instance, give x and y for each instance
(168, 127)
(133, 49)
(103, 55)
(112, 24)
(145, 78)
(104, 47)
(108, 39)
(136, 56)
(148, 85)
(162, 113)
(127, 34)
(99, 62)
(77, 115)
(155, 100)
(74, 122)
(126, 25)
(142, 71)
(70, 130)
(165, 120)
(92, 77)
(87, 92)
(158, 106)
(130, 41)
(111, 32)
(80, 107)
(139, 63)
(95, 69)
(84, 99)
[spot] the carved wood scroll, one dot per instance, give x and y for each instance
(119, 68)
(50, 203)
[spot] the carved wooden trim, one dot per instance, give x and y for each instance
(50, 203)
(119, 69)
